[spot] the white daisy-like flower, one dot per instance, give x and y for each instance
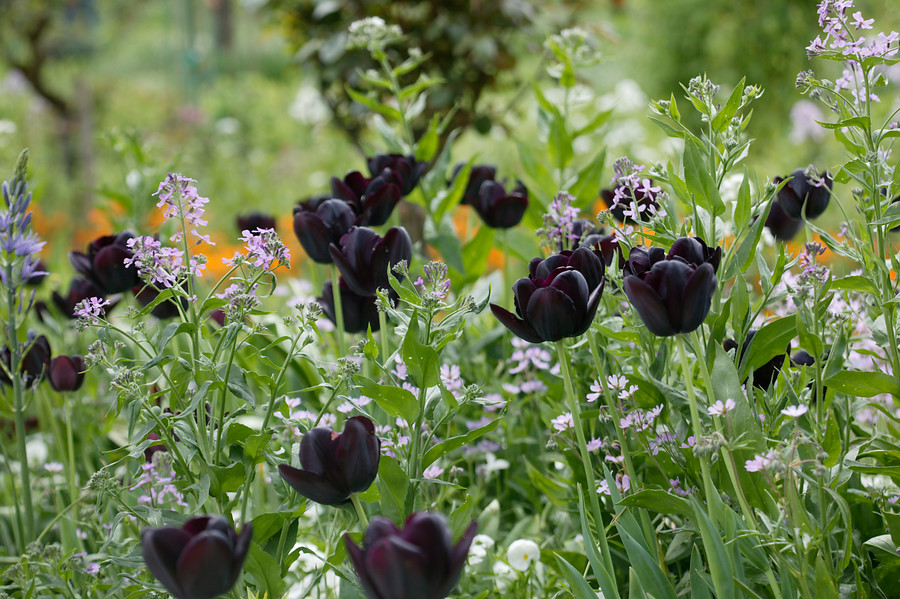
(795, 411)
(522, 553)
(720, 409)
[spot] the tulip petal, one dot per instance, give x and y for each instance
(553, 314)
(517, 326)
(357, 454)
(161, 548)
(202, 566)
(648, 306)
(313, 486)
(428, 531)
(399, 570)
(358, 559)
(698, 292)
(314, 236)
(458, 556)
(241, 549)
(590, 265)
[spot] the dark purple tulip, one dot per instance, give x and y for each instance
(673, 297)
(200, 560)
(363, 258)
(372, 199)
(152, 449)
(359, 310)
(607, 245)
(478, 174)
(163, 310)
(618, 209)
(104, 263)
(694, 251)
(897, 228)
(320, 222)
(406, 170)
(66, 373)
(782, 226)
(35, 361)
(641, 259)
(498, 208)
(765, 375)
(419, 562)
(79, 290)
(802, 358)
(559, 298)
(804, 193)
(335, 465)
(254, 221)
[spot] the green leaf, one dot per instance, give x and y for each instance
(447, 200)
(890, 216)
(476, 251)
(382, 109)
(744, 204)
(597, 122)
(461, 518)
(427, 146)
(771, 340)
(396, 401)
(589, 182)
(655, 582)
(700, 182)
(699, 578)
(392, 485)
(237, 384)
(422, 362)
(856, 121)
(579, 586)
(720, 567)
(255, 444)
(266, 572)
(448, 445)
(601, 566)
(724, 116)
(227, 479)
(855, 282)
(658, 501)
(864, 384)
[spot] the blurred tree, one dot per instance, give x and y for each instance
(473, 45)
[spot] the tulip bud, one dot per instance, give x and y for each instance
(406, 170)
(363, 258)
(200, 560)
(320, 222)
(782, 226)
(254, 221)
(805, 195)
(420, 561)
(359, 311)
(336, 465)
(79, 290)
(765, 375)
(66, 373)
(559, 298)
(104, 263)
(499, 209)
(35, 361)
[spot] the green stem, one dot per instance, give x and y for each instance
(383, 335)
(613, 406)
(222, 397)
(15, 363)
(687, 374)
(338, 310)
(562, 354)
(70, 444)
(357, 505)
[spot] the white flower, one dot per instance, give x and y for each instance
(720, 409)
(522, 553)
(795, 411)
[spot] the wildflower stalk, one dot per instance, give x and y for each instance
(612, 404)
(695, 416)
(70, 446)
(338, 310)
(563, 356)
(385, 342)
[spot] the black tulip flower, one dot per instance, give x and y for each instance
(607, 245)
(359, 311)
(673, 296)
(802, 358)
(35, 360)
(104, 263)
(406, 170)
(200, 560)
(66, 373)
(152, 449)
(694, 251)
(478, 174)
(336, 465)
(145, 294)
(558, 299)
(254, 221)
(782, 226)
(79, 290)
(363, 258)
(320, 222)
(373, 199)
(617, 209)
(641, 259)
(765, 375)
(804, 195)
(498, 208)
(418, 562)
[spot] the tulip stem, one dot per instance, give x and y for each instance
(360, 512)
(612, 404)
(585, 454)
(338, 310)
(695, 417)
(382, 329)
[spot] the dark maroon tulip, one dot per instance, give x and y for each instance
(641, 259)
(498, 208)
(618, 209)
(35, 361)
(218, 316)
(559, 298)
(320, 222)
(66, 373)
(419, 562)
(765, 375)
(406, 170)
(359, 311)
(674, 296)
(804, 194)
(104, 263)
(163, 310)
(802, 358)
(363, 258)
(336, 465)
(694, 251)
(254, 221)
(79, 290)
(478, 174)
(373, 199)
(200, 560)
(152, 449)
(607, 245)
(782, 226)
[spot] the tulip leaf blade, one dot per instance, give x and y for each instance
(864, 384)
(396, 401)
(658, 501)
(476, 252)
(771, 340)
(392, 485)
(588, 183)
(266, 572)
(578, 585)
(448, 199)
